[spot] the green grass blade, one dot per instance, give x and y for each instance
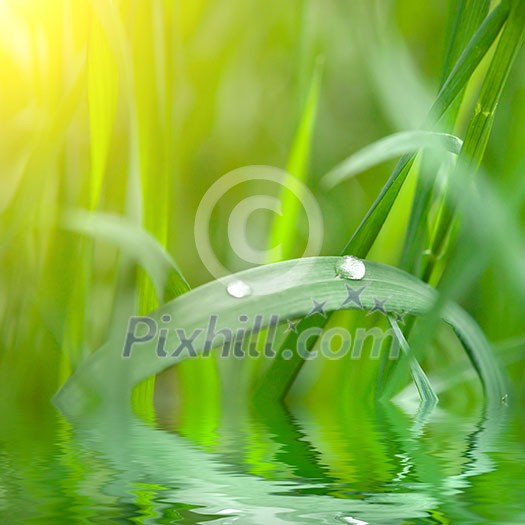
(469, 60)
(102, 99)
(369, 229)
(478, 132)
(480, 241)
(455, 33)
(426, 392)
(466, 18)
(286, 290)
(417, 236)
(469, 161)
(387, 148)
(362, 240)
(508, 47)
(136, 243)
(284, 227)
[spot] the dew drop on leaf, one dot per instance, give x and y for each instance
(239, 289)
(349, 267)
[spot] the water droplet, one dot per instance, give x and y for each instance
(239, 289)
(350, 268)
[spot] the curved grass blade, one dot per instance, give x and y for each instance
(279, 292)
(387, 148)
(136, 242)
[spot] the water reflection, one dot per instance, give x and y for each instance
(337, 464)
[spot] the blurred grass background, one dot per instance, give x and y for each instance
(137, 107)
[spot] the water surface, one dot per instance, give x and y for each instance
(330, 464)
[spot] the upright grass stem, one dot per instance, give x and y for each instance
(281, 374)
(466, 18)
(480, 127)
(469, 161)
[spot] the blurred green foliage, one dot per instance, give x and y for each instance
(136, 108)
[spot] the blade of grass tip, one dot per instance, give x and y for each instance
(480, 127)
(426, 392)
(396, 145)
(466, 17)
(284, 227)
(135, 242)
(368, 230)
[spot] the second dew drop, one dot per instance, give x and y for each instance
(350, 267)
